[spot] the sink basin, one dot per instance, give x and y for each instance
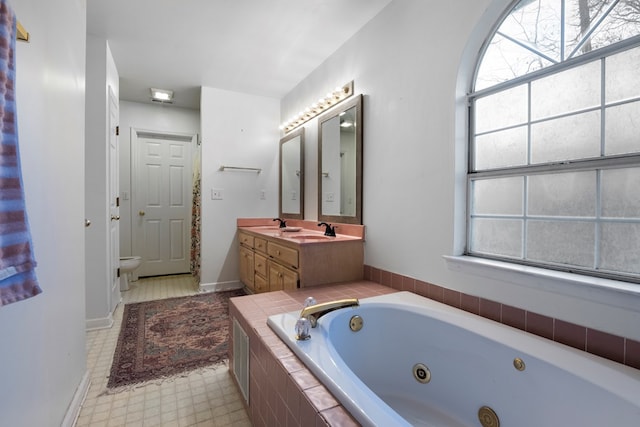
(309, 237)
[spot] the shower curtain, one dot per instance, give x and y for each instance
(17, 275)
(195, 216)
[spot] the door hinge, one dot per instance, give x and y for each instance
(117, 130)
(117, 202)
(118, 272)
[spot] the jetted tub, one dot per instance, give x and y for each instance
(418, 362)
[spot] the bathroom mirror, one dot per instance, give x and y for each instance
(340, 163)
(292, 175)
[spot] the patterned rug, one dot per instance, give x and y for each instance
(163, 338)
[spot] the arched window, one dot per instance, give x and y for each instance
(554, 150)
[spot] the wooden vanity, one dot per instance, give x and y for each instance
(272, 259)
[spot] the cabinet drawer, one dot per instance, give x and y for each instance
(260, 284)
(260, 245)
(245, 239)
(287, 256)
(260, 264)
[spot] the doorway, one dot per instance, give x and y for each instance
(161, 201)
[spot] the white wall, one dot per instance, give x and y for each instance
(158, 118)
(42, 350)
(101, 75)
(406, 63)
(237, 130)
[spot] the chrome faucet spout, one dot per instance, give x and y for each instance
(316, 311)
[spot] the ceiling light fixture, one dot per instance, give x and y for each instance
(338, 95)
(161, 95)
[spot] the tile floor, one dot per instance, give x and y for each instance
(208, 398)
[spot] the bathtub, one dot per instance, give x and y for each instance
(422, 363)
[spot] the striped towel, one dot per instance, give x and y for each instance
(17, 276)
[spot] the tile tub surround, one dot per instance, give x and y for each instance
(282, 391)
(612, 347)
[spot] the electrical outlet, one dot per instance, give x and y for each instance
(216, 194)
(328, 197)
(294, 195)
(263, 194)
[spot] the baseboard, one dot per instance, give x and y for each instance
(102, 323)
(221, 286)
(73, 411)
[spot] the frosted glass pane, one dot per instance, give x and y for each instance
(621, 79)
(504, 60)
(622, 129)
(567, 138)
(620, 247)
(503, 196)
(501, 149)
(567, 91)
(563, 194)
(561, 242)
(621, 193)
(497, 237)
(503, 109)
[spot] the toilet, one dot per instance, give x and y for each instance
(128, 265)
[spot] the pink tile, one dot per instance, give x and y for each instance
(307, 413)
(396, 281)
(338, 416)
(632, 353)
(292, 364)
(490, 309)
(514, 316)
(605, 345)
(539, 325)
(385, 278)
(435, 292)
(304, 379)
(320, 398)
(570, 334)
(293, 399)
(367, 272)
(422, 288)
(408, 284)
(470, 303)
(451, 297)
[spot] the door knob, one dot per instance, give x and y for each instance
(141, 213)
(115, 217)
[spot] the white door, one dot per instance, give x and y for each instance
(161, 202)
(114, 203)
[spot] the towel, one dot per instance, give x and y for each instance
(17, 275)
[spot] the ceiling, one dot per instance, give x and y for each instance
(258, 47)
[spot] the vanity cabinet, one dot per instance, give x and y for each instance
(269, 262)
(247, 268)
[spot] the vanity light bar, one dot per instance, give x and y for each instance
(323, 104)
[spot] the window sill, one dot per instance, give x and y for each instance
(602, 291)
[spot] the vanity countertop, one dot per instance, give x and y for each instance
(307, 232)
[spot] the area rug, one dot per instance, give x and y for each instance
(163, 338)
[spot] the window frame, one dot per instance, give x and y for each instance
(587, 164)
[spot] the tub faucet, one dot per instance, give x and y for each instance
(283, 224)
(316, 311)
(310, 314)
(329, 230)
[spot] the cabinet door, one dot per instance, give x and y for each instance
(281, 277)
(246, 267)
(260, 284)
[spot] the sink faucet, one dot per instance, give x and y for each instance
(283, 224)
(329, 230)
(310, 314)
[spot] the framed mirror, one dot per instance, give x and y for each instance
(292, 175)
(340, 163)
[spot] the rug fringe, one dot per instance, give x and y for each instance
(166, 379)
